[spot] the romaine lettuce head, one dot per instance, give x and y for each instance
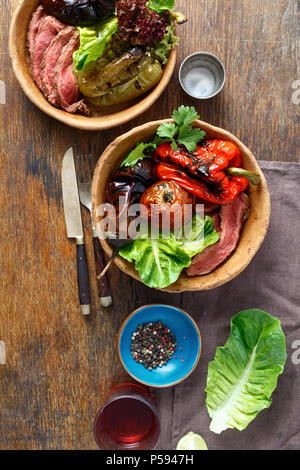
(93, 40)
(244, 373)
(161, 261)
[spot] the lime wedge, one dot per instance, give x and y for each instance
(191, 441)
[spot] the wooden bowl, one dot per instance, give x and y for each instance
(252, 234)
(115, 117)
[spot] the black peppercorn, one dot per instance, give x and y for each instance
(153, 345)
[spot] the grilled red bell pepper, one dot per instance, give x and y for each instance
(209, 158)
(208, 162)
(225, 190)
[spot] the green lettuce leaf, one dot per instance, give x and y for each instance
(160, 6)
(202, 235)
(161, 50)
(93, 40)
(160, 262)
(244, 373)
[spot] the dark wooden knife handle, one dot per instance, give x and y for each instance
(83, 280)
(103, 283)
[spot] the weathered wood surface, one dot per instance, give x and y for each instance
(59, 364)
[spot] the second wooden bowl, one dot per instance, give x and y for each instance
(252, 234)
(115, 117)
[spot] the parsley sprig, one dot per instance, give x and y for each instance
(180, 131)
(142, 150)
(183, 133)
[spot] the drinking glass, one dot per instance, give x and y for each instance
(127, 420)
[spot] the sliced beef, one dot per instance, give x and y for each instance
(217, 221)
(232, 217)
(49, 61)
(34, 24)
(65, 81)
(79, 107)
(51, 45)
(49, 27)
(210, 208)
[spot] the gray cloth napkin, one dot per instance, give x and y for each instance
(272, 283)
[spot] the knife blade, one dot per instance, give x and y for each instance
(74, 227)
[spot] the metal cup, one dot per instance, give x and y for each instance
(202, 75)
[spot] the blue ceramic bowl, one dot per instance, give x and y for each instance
(188, 350)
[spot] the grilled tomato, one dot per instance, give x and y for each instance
(165, 201)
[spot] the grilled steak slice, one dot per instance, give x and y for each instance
(217, 221)
(65, 81)
(49, 61)
(34, 24)
(210, 208)
(49, 27)
(232, 217)
(79, 107)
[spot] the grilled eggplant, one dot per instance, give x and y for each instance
(79, 12)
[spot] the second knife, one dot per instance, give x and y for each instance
(84, 177)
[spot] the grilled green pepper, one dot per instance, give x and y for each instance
(97, 80)
(147, 73)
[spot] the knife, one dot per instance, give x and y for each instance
(74, 228)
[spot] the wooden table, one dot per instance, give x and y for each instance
(59, 364)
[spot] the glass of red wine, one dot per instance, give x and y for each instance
(127, 420)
